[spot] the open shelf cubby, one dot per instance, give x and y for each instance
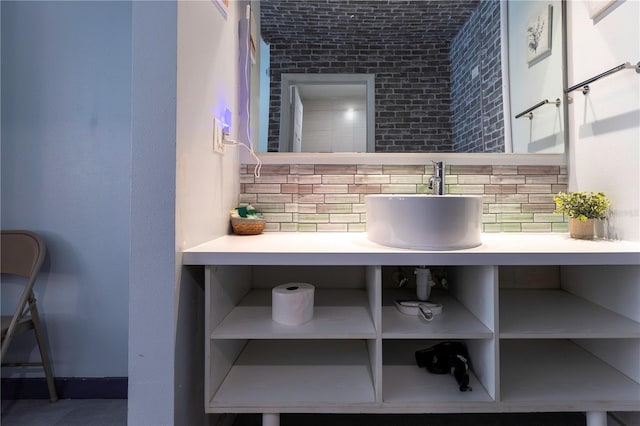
(455, 321)
(560, 373)
(337, 313)
(404, 383)
(555, 313)
(277, 373)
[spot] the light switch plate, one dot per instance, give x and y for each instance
(218, 144)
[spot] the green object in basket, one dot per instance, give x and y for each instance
(242, 211)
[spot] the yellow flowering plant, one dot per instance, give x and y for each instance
(582, 205)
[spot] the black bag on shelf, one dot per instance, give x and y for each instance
(447, 358)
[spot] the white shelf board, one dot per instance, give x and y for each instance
(353, 248)
(455, 321)
(558, 373)
(337, 314)
(557, 314)
(404, 383)
(290, 373)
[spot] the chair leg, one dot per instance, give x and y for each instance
(8, 337)
(53, 395)
(5, 344)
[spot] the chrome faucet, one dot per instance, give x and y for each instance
(437, 178)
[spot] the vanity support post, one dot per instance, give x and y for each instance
(273, 419)
(596, 418)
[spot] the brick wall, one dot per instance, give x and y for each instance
(476, 83)
(412, 105)
(331, 198)
(406, 46)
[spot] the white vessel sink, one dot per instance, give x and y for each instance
(425, 222)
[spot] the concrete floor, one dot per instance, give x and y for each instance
(65, 412)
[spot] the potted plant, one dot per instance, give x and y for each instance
(582, 208)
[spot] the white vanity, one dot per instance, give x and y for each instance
(551, 324)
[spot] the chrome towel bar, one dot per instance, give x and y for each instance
(585, 84)
(529, 112)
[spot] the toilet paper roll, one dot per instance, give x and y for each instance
(292, 303)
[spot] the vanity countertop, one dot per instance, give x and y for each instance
(353, 248)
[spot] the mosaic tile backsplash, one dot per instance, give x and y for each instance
(331, 198)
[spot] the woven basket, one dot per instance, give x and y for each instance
(244, 226)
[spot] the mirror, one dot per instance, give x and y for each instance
(438, 72)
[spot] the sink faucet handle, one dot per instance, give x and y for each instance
(438, 168)
(432, 179)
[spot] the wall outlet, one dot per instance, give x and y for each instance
(475, 72)
(218, 137)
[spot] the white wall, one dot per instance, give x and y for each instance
(66, 168)
(535, 82)
(604, 126)
(152, 324)
(207, 182)
(334, 125)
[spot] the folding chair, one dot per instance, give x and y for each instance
(22, 254)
